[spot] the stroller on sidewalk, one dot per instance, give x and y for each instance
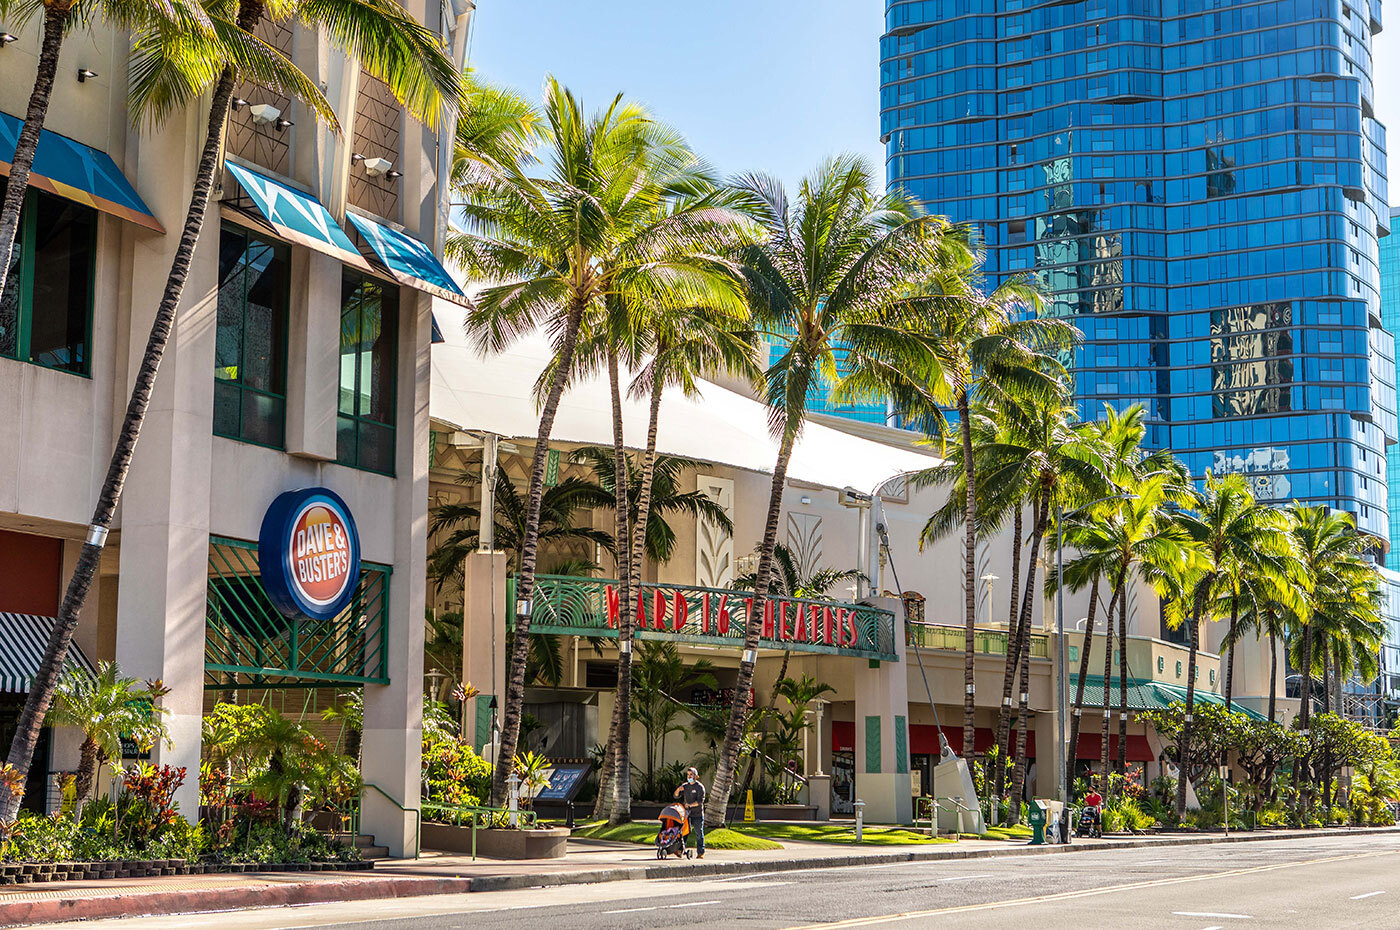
(675, 827)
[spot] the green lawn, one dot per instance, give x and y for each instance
(644, 832)
(838, 833)
(1009, 834)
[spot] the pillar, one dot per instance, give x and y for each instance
(883, 779)
(164, 555)
(483, 639)
(393, 733)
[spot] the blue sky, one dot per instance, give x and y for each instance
(770, 85)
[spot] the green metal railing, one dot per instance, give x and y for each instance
(248, 642)
(349, 815)
(571, 605)
(954, 639)
(478, 818)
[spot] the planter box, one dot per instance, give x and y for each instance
(497, 844)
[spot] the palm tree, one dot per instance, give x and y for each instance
(559, 506)
(59, 19)
(1234, 537)
(106, 708)
(587, 235)
(988, 346)
(660, 673)
(171, 68)
(829, 278)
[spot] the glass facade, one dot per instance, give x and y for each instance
(1200, 185)
(1390, 316)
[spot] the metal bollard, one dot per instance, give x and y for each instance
(513, 781)
(860, 820)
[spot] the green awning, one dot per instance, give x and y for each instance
(1148, 695)
(297, 216)
(407, 260)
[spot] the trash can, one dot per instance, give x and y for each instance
(1039, 813)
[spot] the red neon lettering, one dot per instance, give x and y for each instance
(640, 622)
(815, 624)
(658, 610)
(610, 596)
(705, 612)
(784, 633)
(723, 621)
(680, 612)
(854, 636)
(801, 631)
(826, 626)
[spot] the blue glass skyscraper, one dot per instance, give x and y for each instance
(1201, 186)
(1390, 316)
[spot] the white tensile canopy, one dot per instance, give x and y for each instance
(495, 394)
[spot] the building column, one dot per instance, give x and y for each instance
(883, 779)
(483, 639)
(393, 734)
(164, 554)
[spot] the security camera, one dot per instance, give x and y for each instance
(264, 113)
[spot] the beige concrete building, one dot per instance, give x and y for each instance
(300, 359)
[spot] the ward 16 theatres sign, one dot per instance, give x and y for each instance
(309, 553)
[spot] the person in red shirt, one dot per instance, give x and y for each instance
(1094, 802)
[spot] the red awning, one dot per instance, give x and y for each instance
(1091, 746)
(923, 738)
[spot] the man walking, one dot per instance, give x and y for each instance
(692, 795)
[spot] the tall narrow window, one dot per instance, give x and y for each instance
(369, 315)
(46, 310)
(250, 347)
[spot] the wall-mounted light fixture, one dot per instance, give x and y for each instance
(237, 102)
(282, 123)
(378, 167)
(84, 74)
(356, 158)
(6, 38)
(393, 175)
(264, 113)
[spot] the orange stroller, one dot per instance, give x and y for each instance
(675, 827)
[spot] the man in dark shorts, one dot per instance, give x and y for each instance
(692, 795)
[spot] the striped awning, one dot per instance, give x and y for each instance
(1149, 695)
(23, 638)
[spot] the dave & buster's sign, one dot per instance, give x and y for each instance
(309, 553)
(784, 621)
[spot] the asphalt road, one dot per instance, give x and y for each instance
(1320, 884)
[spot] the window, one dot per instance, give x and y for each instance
(250, 346)
(46, 310)
(369, 314)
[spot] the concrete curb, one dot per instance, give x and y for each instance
(187, 901)
(142, 903)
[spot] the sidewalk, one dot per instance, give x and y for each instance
(587, 861)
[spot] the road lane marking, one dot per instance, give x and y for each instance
(1211, 914)
(1369, 894)
(661, 907)
(1086, 893)
(964, 878)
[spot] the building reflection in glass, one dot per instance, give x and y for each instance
(1250, 349)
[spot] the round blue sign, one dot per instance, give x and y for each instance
(309, 553)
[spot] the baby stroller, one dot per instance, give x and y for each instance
(675, 827)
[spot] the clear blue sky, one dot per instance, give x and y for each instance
(769, 85)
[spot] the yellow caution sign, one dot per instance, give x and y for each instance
(748, 807)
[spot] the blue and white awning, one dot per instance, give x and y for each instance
(407, 260)
(23, 638)
(297, 216)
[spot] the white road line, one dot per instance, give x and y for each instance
(661, 907)
(1369, 894)
(1212, 914)
(965, 878)
(1216, 927)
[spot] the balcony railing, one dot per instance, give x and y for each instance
(576, 606)
(954, 638)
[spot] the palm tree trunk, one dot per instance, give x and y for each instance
(1326, 678)
(1122, 766)
(602, 805)
(969, 579)
(56, 17)
(717, 802)
(41, 689)
(1337, 682)
(1072, 755)
(1013, 656)
(1302, 765)
(1273, 676)
(1230, 655)
(768, 711)
(87, 769)
(529, 550)
(1183, 746)
(1023, 651)
(1118, 595)
(621, 737)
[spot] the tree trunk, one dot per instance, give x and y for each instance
(1183, 745)
(1118, 595)
(1326, 678)
(56, 19)
(969, 579)
(602, 805)
(717, 803)
(1122, 764)
(1337, 682)
(1023, 651)
(1302, 775)
(768, 711)
(87, 769)
(1230, 654)
(41, 689)
(529, 550)
(1013, 656)
(1072, 755)
(630, 598)
(1273, 677)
